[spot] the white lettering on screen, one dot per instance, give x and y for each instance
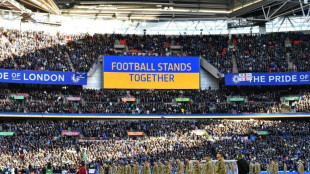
(44, 77)
(283, 78)
(259, 79)
(4, 76)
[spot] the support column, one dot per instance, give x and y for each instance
(262, 28)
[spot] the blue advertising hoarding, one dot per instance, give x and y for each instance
(43, 77)
(252, 79)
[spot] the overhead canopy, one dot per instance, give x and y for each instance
(243, 12)
(238, 13)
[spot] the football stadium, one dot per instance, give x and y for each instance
(154, 87)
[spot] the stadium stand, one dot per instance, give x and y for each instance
(261, 53)
(254, 53)
(106, 101)
(36, 142)
(30, 145)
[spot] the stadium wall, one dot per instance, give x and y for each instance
(133, 116)
(206, 80)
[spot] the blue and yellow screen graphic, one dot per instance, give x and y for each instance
(139, 72)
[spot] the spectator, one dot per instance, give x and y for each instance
(243, 166)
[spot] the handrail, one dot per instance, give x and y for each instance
(145, 116)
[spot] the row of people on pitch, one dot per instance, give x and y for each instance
(165, 167)
(208, 168)
(197, 168)
(273, 168)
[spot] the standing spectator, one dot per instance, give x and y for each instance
(243, 166)
(82, 169)
(49, 169)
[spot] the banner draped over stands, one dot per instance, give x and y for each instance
(139, 72)
(43, 77)
(251, 79)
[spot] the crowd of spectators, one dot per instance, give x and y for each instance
(211, 47)
(299, 53)
(85, 52)
(253, 53)
(274, 52)
(162, 102)
(32, 50)
(303, 104)
(37, 142)
(38, 50)
(56, 99)
(261, 53)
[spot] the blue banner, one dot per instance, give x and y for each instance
(251, 79)
(43, 77)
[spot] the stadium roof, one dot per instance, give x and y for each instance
(243, 12)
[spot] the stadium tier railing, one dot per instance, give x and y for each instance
(155, 116)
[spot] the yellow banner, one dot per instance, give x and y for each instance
(125, 80)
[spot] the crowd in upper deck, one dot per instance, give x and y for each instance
(38, 50)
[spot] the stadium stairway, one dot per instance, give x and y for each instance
(210, 68)
(288, 56)
(290, 64)
(287, 42)
(95, 76)
(70, 63)
(95, 66)
(235, 66)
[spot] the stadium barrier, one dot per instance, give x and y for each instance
(150, 116)
(96, 171)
